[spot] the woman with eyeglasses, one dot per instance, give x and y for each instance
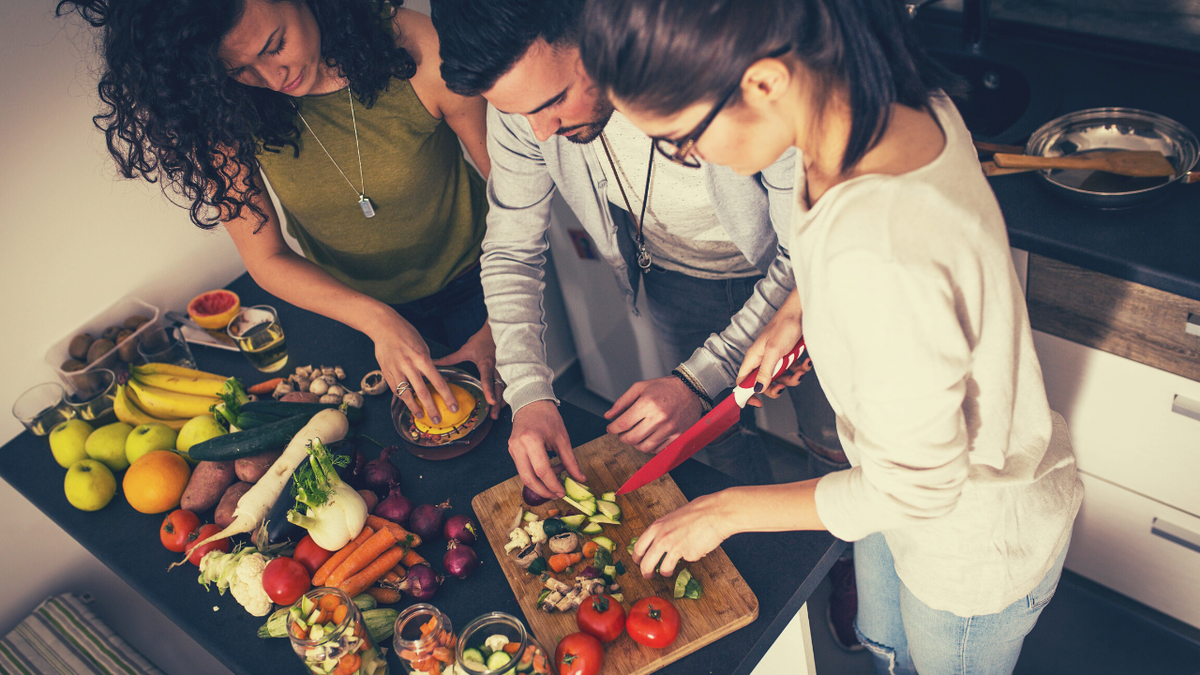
(341, 105)
(962, 489)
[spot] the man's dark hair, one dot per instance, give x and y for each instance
(481, 40)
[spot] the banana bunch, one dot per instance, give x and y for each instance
(160, 392)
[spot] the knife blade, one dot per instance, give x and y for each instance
(703, 432)
(214, 338)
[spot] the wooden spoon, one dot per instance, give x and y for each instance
(1148, 163)
(990, 168)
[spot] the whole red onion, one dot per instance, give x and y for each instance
(460, 560)
(460, 528)
(426, 520)
(420, 583)
(380, 474)
(395, 507)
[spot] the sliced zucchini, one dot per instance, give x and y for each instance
(587, 506)
(629, 547)
(610, 571)
(576, 491)
(307, 605)
(609, 509)
(603, 519)
(609, 496)
(530, 516)
(591, 528)
(473, 655)
(687, 586)
(605, 542)
(619, 597)
(572, 523)
(602, 559)
(498, 660)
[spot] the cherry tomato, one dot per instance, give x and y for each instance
(310, 555)
(178, 530)
(197, 553)
(285, 580)
(602, 617)
(579, 654)
(653, 622)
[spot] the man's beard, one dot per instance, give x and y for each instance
(601, 113)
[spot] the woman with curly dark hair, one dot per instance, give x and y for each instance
(341, 105)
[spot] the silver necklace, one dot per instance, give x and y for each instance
(364, 202)
(643, 256)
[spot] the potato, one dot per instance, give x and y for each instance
(250, 469)
(208, 482)
(301, 397)
(224, 515)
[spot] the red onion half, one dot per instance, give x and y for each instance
(460, 560)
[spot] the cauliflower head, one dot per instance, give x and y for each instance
(247, 585)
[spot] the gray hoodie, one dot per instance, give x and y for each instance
(755, 211)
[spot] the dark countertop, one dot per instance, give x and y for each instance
(1157, 244)
(127, 541)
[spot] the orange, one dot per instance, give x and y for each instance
(466, 404)
(214, 309)
(156, 481)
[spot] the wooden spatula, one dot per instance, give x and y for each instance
(1148, 163)
(990, 168)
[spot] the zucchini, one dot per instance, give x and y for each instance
(605, 542)
(602, 519)
(498, 660)
(381, 623)
(275, 528)
(276, 625)
(250, 420)
(587, 506)
(576, 491)
(591, 528)
(609, 509)
(250, 442)
(473, 655)
(571, 522)
(365, 601)
(609, 497)
(288, 408)
(687, 586)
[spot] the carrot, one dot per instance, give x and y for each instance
(553, 512)
(265, 388)
(401, 533)
(589, 549)
(512, 647)
(369, 550)
(444, 655)
(561, 561)
(339, 614)
(384, 596)
(413, 558)
(372, 572)
(338, 558)
(429, 625)
(349, 664)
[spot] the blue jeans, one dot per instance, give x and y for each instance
(906, 636)
(451, 315)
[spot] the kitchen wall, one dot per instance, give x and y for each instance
(74, 238)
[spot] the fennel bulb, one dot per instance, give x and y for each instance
(334, 512)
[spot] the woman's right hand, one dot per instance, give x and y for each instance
(777, 339)
(404, 357)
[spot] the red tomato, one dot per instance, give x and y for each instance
(285, 580)
(602, 617)
(310, 555)
(579, 654)
(197, 553)
(653, 622)
(178, 530)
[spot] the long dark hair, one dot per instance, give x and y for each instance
(661, 56)
(174, 115)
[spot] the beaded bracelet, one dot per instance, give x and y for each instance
(705, 401)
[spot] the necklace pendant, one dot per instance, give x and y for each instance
(364, 203)
(643, 258)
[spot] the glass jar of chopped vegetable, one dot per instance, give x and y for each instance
(424, 640)
(329, 634)
(498, 644)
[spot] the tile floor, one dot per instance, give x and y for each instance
(1086, 629)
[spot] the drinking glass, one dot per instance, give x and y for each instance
(93, 401)
(167, 346)
(259, 335)
(41, 408)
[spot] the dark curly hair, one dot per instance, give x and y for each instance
(173, 113)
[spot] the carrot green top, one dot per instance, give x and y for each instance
(430, 206)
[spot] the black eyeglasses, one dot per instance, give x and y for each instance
(680, 151)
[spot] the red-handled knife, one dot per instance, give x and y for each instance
(708, 428)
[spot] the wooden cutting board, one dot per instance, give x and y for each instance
(726, 605)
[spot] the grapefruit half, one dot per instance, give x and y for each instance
(214, 309)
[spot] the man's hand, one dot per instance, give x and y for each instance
(653, 413)
(537, 428)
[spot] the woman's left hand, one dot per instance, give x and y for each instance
(687, 533)
(480, 349)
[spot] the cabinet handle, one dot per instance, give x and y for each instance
(1175, 534)
(1193, 325)
(1186, 407)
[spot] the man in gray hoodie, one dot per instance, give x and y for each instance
(709, 245)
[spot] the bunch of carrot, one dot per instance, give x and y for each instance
(382, 548)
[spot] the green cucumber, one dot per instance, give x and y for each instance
(289, 408)
(498, 660)
(273, 436)
(473, 655)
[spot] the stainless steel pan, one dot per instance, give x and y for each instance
(1099, 129)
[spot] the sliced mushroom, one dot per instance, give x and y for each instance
(339, 373)
(564, 543)
(528, 554)
(373, 383)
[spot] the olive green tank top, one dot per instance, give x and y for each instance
(430, 206)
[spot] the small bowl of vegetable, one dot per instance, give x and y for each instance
(460, 440)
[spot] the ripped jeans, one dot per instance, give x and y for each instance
(905, 636)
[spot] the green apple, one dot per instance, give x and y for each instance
(197, 430)
(107, 444)
(89, 485)
(67, 440)
(147, 438)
